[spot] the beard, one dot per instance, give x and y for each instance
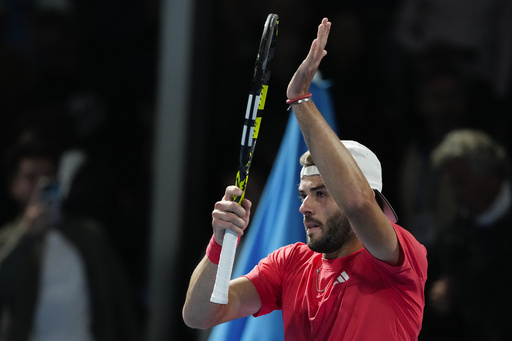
(336, 232)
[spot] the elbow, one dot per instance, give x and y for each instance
(193, 319)
(358, 204)
(190, 319)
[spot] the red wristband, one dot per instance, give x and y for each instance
(298, 98)
(213, 251)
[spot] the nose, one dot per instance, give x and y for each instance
(305, 208)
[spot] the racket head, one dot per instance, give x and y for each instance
(266, 53)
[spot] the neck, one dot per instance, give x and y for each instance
(347, 249)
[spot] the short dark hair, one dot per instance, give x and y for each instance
(18, 152)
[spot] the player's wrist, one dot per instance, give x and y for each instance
(298, 100)
(213, 251)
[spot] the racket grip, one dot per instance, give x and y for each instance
(227, 257)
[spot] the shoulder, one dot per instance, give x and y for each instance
(406, 238)
(285, 257)
(298, 250)
(414, 254)
(400, 231)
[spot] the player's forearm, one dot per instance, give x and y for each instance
(347, 184)
(198, 311)
(340, 173)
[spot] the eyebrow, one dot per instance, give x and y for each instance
(312, 189)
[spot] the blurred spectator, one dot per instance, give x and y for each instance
(82, 73)
(475, 34)
(441, 103)
(468, 297)
(89, 178)
(59, 277)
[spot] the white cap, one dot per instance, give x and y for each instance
(371, 168)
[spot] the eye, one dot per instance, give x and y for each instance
(320, 194)
(302, 196)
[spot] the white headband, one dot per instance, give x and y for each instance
(369, 165)
(309, 170)
(365, 159)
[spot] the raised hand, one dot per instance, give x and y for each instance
(301, 80)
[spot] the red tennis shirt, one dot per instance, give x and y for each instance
(357, 297)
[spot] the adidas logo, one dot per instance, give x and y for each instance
(342, 278)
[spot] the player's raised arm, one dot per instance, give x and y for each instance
(339, 171)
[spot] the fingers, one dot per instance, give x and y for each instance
(35, 196)
(35, 215)
(232, 191)
(246, 204)
(229, 215)
(35, 218)
(301, 80)
(323, 32)
(317, 50)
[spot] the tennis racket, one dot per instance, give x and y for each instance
(253, 114)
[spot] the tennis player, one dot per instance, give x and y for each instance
(360, 276)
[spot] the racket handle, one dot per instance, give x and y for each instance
(227, 257)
